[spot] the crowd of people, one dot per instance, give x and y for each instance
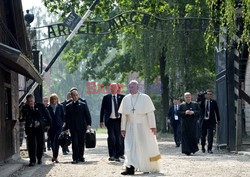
(194, 122)
(72, 116)
(130, 122)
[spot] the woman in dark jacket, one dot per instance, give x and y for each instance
(57, 118)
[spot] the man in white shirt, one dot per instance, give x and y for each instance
(175, 121)
(210, 117)
(110, 117)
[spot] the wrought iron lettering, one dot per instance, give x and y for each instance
(115, 23)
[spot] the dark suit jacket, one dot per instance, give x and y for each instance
(213, 111)
(192, 106)
(172, 113)
(106, 108)
(66, 102)
(77, 116)
(57, 118)
(40, 114)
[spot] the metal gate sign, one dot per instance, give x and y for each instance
(72, 20)
(102, 27)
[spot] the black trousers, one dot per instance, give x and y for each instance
(53, 136)
(207, 131)
(177, 131)
(198, 131)
(49, 141)
(115, 140)
(78, 144)
(35, 138)
(65, 148)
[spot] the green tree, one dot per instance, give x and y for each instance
(61, 80)
(179, 60)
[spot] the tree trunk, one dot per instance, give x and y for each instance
(165, 91)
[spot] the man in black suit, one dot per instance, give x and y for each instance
(65, 148)
(36, 118)
(112, 120)
(175, 121)
(69, 99)
(210, 117)
(78, 120)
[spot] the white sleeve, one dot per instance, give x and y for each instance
(124, 121)
(151, 119)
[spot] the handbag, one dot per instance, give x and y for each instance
(90, 138)
(64, 139)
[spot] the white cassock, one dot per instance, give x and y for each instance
(141, 147)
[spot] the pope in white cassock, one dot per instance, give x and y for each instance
(139, 129)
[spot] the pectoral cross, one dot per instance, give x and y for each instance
(133, 110)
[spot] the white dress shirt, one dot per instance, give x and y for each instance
(207, 105)
(112, 115)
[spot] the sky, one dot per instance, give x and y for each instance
(28, 4)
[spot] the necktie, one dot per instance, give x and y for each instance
(116, 107)
(207, 108)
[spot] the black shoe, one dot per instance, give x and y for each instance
(117, 160)
(111, 159)
(75, 162)
(82, 160)
(55, 160)
(49, 149)
(39, 162)
(31, 164)
(177, 145)
(188, 153)
(122, 157)
(210, 151)
(203, 149)
(129, 171)
(65, 153)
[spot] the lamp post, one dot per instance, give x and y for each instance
(29, 18)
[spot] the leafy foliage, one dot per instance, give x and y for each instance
(136, 49)
(228, 14)
(60, 80)
(188, 56)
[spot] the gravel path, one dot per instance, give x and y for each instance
(174, 163)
